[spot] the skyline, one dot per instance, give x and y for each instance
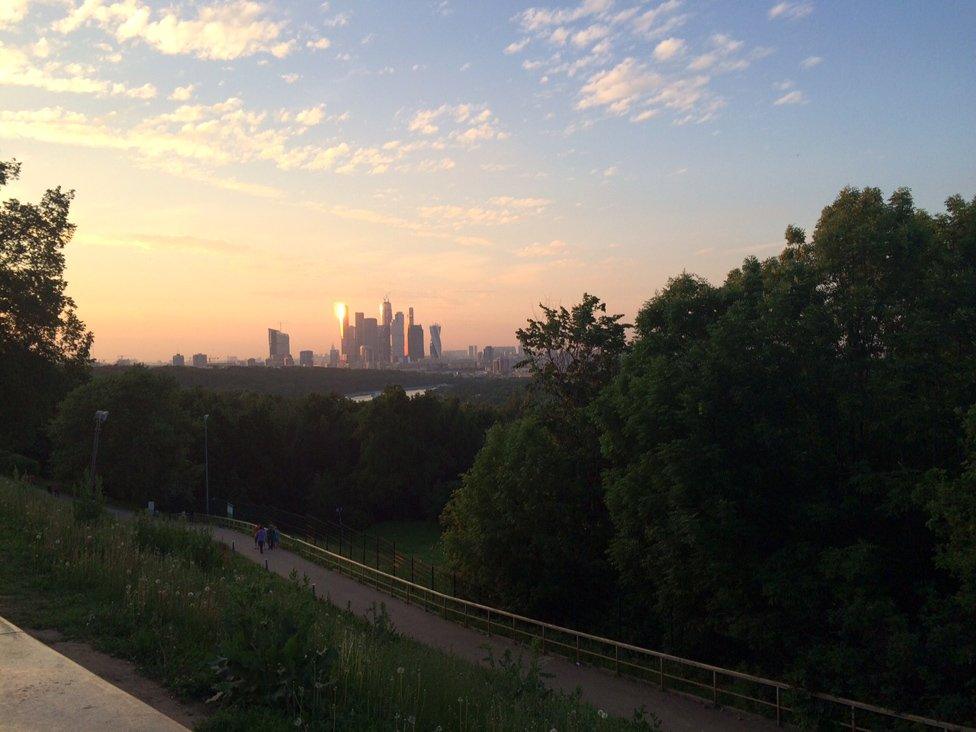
(244, 162)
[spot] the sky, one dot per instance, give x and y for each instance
(247, 163)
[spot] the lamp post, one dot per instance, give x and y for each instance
(206, 464)
(100, 416)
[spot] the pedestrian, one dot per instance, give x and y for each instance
(257, 528)
(273, 537)
(261, 538)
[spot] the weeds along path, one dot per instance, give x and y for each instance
(615, 695)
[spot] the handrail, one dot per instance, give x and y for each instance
(779, 686)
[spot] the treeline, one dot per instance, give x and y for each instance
(777, 473)
(294, 381)
(391, 457)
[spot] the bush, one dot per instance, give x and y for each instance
(89, 503)
(11, 462)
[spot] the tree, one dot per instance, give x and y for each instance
(143, 448)
(766, 441)
(573, 353)
(527, 528)
(44, 347)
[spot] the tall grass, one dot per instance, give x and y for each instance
(211, 625)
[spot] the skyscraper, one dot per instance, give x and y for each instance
(199, 360)
(360, 317)
(435, 341)
(396, 338)
(306, 358)
(415, 342)
(279, 346)
(410, 323)
(384, 353)
(370, 340)
(178, 360)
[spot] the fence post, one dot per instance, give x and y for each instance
(377, 552)
(514, 636)
(714, 688)
(233, 546)
(412, 579)
(577, 649)
(313, 590)
(616, 659)
(432, 577)
(660, 666)
(454, 583)
(853, 723)
(543, 639)
(489, 622)
(779, 720)
(393, 559)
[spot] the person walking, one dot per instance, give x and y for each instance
(261, 537)
(273, 537)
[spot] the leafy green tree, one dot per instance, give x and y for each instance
(527, 528)
(573, 353)
(765, 441)
(142, 451)
(44, 347)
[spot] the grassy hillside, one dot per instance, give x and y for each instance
(211, 625)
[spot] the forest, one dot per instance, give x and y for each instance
(776, 473)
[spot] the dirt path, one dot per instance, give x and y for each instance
(615, 695)
(124, 675)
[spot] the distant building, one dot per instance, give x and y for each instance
(396, 338)
(415, 342)
(279, 347)
(371, 340)
(252, 362)
(178, 360)
(487, 356)
(473, 353)
(333, 356)
(306, 358)
(435, 341)
(360, 319)
(199, 360)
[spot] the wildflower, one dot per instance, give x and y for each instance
(38, 536)
(400, 670)
(603, 714)
(298, 722)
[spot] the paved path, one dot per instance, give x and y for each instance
(42, 690)
(616, 695)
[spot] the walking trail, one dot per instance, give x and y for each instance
(615, 695)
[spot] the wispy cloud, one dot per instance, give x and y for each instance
(810, 61)
(790, 10)
(793, 97)
(221, 31)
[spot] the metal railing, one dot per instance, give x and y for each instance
(774, 699)
(362, 546)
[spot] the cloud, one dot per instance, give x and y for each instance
(183, 93)
(668, 49)
(538, 250)
(17, 69)
(791, 10)
(810, 61)
(290, 78)
(536, 18)
(222, 31)
(516, 46)
(619, 87)
(12, 12)
(310, 117)
(164, 242)
(589, 35)
(793, 97)
(466, 123)
(338, 21)
(319, 44)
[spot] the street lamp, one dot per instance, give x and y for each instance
(206, 464)
(100, 416)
